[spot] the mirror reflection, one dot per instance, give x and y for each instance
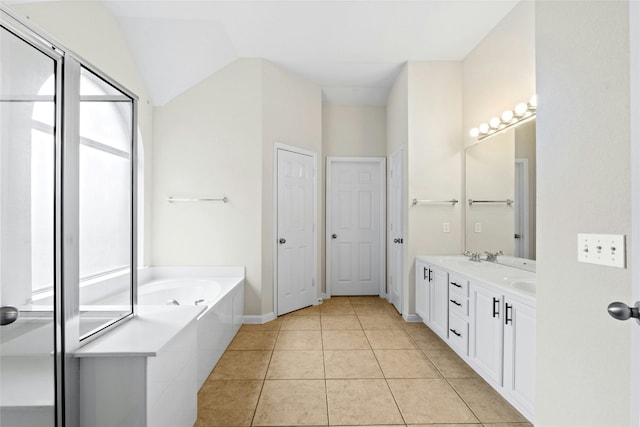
(500, 169)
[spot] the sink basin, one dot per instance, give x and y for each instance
(526, 285)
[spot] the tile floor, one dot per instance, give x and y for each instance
(349, 361)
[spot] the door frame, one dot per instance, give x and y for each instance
(522, 171)
(381, 162)
(285, 147)
(403, 215)
(634, 117)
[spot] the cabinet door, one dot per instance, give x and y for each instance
(422, 290)
(486, 333)
(520, 353)
(439, 302)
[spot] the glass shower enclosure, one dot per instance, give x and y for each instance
(67, 220)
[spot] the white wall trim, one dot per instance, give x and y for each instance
(413, 318)
(285, 147)
(634, 116)
(259, 319)
(381, 162)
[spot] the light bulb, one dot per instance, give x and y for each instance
(533, 102)
(474, 132)
(483, 128)
(520, 109)
(494, 123)
(507, 116)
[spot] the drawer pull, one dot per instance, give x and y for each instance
(507, 309)
(456, 285)
(424, 274)
(496, 311)
(456, 333)
(455, 302)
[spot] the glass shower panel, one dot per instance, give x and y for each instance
(27, 233)
(105, 245)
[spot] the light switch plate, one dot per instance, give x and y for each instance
(603, 249)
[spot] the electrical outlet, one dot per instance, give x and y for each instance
(445, 227)
(478, 227)
(603, 249)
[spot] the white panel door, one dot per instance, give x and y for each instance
(396, 230)
(295, 233)
(355, 226)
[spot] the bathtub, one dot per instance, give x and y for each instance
(219, 289)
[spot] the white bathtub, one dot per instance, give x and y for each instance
(220, 289)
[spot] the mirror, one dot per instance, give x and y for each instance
(500, 178)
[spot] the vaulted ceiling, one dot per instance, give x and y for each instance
(352, 49)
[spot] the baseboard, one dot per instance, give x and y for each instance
(412, 318)
(259, 319)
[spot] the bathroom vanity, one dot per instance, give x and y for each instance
(486, 312)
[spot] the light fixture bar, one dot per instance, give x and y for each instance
(520, 114)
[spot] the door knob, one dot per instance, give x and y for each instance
(621, 311)
(334, 236)
(396, 240)
(282, 241)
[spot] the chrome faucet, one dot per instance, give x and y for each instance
(473, 256)
(171, 301)
(493, 256)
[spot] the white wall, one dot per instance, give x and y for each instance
(209, 144)
(354, 130)
(218, 139)
(500, 71)
(88, 29)
(292, 114)
(434, 162)
(583, 356)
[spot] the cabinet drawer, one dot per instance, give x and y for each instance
(458, 285)
(459, 334)
(459, 305)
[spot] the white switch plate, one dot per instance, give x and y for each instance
(478, 227)
(445, 227)
(603, 249)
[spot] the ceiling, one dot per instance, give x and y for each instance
(352, 49)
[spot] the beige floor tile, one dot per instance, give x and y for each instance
(369, 309)
(507, 425)
(273, 325)
(377, 321)
(345, 340)
(339, 322)
(241, 365)
(337, 301)
(390, 340)
(447, 425)
(227, 403)
(427, 339)
(361, 402)
(367, 300)
(336, 309)
(485, 402)
(313, 310)
(450, 364)
(296, 365)
(292, 402)
(351, 364)
(301, 323)
(424, 401)
(406, 364)
(299, 340)
(253, 340)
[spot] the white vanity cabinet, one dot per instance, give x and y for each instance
(432, 291)
(487, 315)
(487, 332)
(520, 352)
(503, 344)
(459, 314)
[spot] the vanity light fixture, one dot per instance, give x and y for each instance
(520, 113)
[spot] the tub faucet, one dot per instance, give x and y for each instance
(199, 301)
(493, 256)
(171, 301)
